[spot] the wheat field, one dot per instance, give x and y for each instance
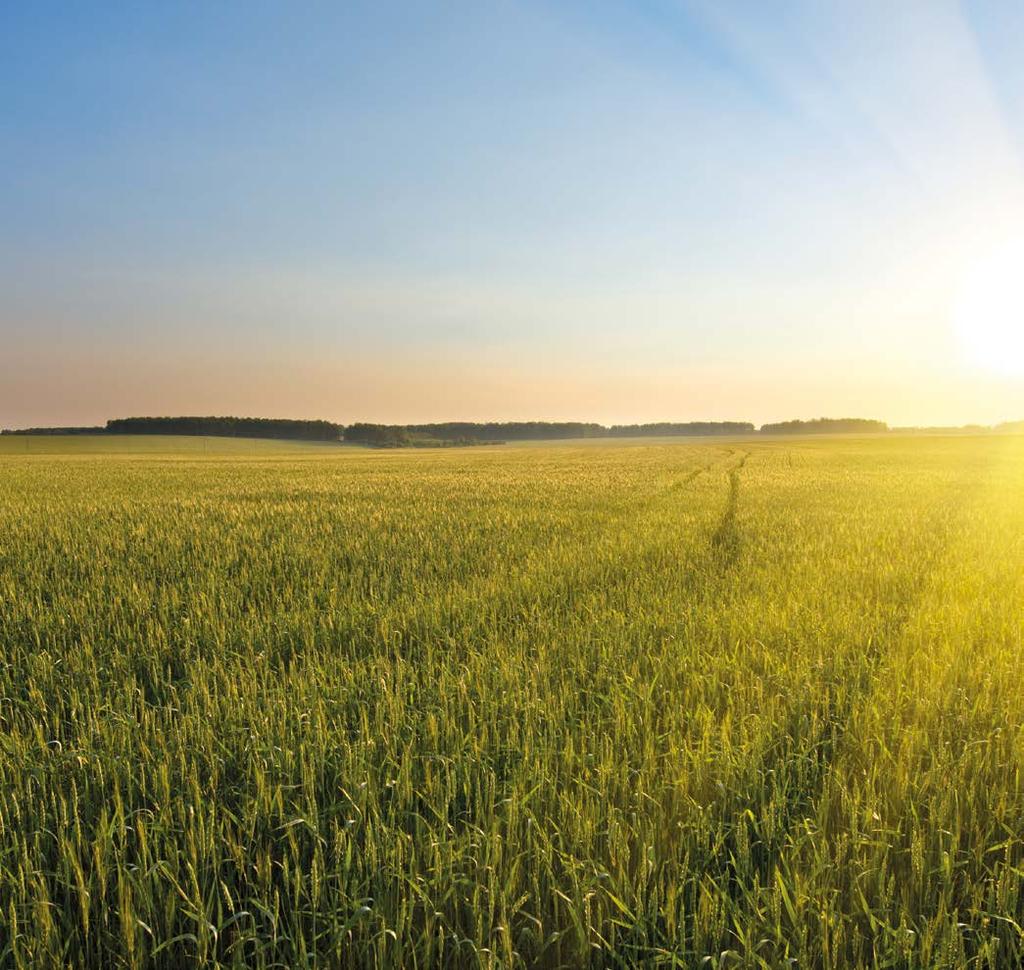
(723, 703)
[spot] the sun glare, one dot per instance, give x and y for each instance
(989, 314)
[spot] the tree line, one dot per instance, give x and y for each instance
(468, 432)
(392, 435)
(826, 426)
(95, 429)
(229, 427)
(456, 433)
(685, 428)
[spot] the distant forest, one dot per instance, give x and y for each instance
(96, 429)
(229, 427)
(451, 434)
(826, 426)
(471, 432)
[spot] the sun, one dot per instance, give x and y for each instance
(989, 311)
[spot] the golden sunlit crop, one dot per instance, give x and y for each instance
(733, 703)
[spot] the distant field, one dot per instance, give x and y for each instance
(130, 444)
(692, 703)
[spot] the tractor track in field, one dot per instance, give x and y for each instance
(726, 540)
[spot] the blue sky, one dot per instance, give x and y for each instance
(418, 211)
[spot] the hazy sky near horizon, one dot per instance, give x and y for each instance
(581, 210)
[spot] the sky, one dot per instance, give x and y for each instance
(400, 212)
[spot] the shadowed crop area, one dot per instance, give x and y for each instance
(728, 703)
